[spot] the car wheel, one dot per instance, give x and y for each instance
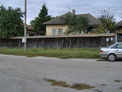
(111, 57)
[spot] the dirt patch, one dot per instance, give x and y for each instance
(120, 88)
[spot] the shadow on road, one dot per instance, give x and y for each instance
(105, 60)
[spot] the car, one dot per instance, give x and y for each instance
(112, 52)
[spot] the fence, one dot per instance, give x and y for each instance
(76, 41)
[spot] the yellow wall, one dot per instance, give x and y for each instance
(57, 27)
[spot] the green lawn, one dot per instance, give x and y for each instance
(51, 52)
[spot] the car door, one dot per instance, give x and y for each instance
(119, 50)
(113, 49)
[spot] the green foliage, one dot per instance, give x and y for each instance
(10, 22)
(106, 16)
(76, 24)
(107, 26)
(108, 23)
(37, 23)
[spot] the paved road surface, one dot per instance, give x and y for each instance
(23, 74)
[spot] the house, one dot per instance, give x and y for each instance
(30, 31)
(119, 26)
(56, 27)
(119, 32)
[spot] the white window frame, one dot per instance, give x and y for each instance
(60, 31)
(53, 32)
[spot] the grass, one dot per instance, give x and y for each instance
(50, 80)
(98, 90)
(51, 52)
(77, 86)
(57, 83)
(100, 60)
(118, 80)
(60, 83)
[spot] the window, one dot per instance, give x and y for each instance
(119, 46)
(114, 47)
(60, 32)
(53, 31)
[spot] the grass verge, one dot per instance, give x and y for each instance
(51, 52)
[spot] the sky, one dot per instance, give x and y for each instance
(60, 7)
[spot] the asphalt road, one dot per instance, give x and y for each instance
(23, 74)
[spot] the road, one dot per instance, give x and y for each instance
(24, 74)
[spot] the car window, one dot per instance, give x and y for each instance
(109, 46)
(119, 46)
(114, 47)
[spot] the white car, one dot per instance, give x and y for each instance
(112, 52)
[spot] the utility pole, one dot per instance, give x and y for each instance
(25, 40)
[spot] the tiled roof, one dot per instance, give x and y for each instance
(119, 24)
(29, 27)
(59, 20)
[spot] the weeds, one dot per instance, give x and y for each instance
(118, 80)
(77, 86)
(98, 90)
(51, 52)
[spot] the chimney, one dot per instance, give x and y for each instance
(73, 11)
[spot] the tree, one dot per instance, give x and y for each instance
(11, 22)
(37, 23)
(108, 23)
(76, 24)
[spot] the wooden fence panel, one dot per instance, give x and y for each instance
(61, 42)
